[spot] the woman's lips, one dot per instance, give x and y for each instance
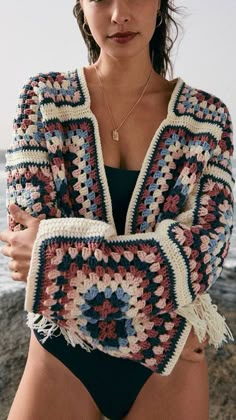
(122, 39)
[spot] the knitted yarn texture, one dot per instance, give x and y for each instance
(136, 295)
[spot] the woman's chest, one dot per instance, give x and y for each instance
(163, 148)
(136, 131)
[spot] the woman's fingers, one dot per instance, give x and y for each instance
(18, 270)
(6, 250)
(6, 235)
(17, 276)
(19, 244)
(13, 265)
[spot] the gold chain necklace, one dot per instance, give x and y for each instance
(115, 131)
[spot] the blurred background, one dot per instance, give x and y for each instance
(43, 36)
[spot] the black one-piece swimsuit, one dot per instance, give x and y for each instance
(113, 383)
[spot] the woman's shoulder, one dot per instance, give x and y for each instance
(53, 77)
(55, 85)
(200, 104)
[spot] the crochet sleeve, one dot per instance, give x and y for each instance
(93, 283)
(30, 181)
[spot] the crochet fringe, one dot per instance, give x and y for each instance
(205, 319)
(47, 327)
(201, 314)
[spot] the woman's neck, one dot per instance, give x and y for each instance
(127, 76)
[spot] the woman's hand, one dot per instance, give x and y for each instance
(194, 351)
(20, 244)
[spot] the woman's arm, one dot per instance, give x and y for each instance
(30, 183)
(80, 269)
(97, 286)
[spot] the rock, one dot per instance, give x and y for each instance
(222, 375)
(13, 344)
(223, 292)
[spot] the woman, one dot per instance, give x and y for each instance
(132, 173)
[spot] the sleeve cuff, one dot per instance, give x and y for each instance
(56, 230)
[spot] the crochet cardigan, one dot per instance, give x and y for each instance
(136, 295)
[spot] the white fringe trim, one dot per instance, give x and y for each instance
(47, 327)
(205, 319)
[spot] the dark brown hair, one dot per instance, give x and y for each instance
(160, 45)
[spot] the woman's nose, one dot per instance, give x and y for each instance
(120, 12)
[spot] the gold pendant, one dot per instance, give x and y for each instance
(115, 135)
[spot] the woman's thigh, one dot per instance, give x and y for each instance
(183, 395)
(48, 390)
